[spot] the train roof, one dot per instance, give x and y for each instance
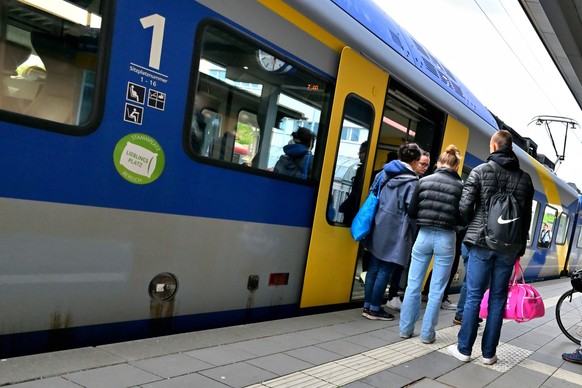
(379, 23)
(374, 19)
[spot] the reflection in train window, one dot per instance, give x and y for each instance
(49, 60)
(535, 208)
(348, 182)
(579, 241)
(562, 229)
(550, 218)
(259, 98)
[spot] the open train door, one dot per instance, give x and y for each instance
(358, 103)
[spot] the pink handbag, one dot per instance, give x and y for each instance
(523, 300)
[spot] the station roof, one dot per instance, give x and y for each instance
(559, 25)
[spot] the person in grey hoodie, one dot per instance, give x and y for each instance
(390, 241)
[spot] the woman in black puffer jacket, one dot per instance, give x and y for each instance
(435, 206)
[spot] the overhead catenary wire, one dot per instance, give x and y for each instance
(525, 67)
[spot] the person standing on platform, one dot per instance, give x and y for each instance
(501, 172)
(394, 301)
(435, 207)
(391, 237)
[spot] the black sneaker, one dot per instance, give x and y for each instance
(380, 315)
(459, 320)
(365, 312)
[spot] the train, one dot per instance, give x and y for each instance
(138, 194)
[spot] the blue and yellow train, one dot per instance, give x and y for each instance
(137, 191)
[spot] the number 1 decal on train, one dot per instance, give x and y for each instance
(138, 157)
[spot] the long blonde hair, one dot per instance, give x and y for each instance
(450, 158)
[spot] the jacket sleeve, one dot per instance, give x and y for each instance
(461, 224)
(413, 206)
(527, 214)
(470, 196)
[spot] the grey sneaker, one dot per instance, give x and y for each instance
(394, 303)
(448, 305)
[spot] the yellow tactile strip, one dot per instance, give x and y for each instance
(347, 370)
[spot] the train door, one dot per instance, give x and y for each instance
(358, 106)
(408, 117)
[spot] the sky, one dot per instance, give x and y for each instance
(491, 46)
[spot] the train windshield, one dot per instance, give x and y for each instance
(250, 101)
(49, 53)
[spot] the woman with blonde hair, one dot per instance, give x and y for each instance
(435, 206)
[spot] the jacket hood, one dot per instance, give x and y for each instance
(396, 167)
(295, 150)
(506, 158)
(398, 173)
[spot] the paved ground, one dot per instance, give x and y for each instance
(326, 350)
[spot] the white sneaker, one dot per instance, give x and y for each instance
(363, 277)
(490, 361)
(394, 303)
(458, 355)
(447, 305)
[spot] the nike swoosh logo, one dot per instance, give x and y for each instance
(502, 221)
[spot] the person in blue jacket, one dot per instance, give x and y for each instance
(390, 241)
(297, 160)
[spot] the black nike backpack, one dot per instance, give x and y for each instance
(504, 224)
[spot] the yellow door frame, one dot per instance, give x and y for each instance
(331, 260)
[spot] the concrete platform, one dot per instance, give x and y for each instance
(325, 350)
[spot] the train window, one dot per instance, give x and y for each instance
(262, 101)
(348, 180)
(49, 59)
(579, 241)
(562, 229)
(546, 233)
(535, 208)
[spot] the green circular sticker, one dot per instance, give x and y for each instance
(139, 158)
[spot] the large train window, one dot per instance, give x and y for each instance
(562, 229)
(250, 103)
(49, 59)
(579, 241)
(535, 208)
(348, 181)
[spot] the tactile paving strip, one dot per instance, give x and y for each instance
(347, 370)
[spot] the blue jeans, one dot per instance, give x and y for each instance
(430, 240)
(376, 282)
(463, 294)
(485, 266)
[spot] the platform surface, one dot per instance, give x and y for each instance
(325, 350)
